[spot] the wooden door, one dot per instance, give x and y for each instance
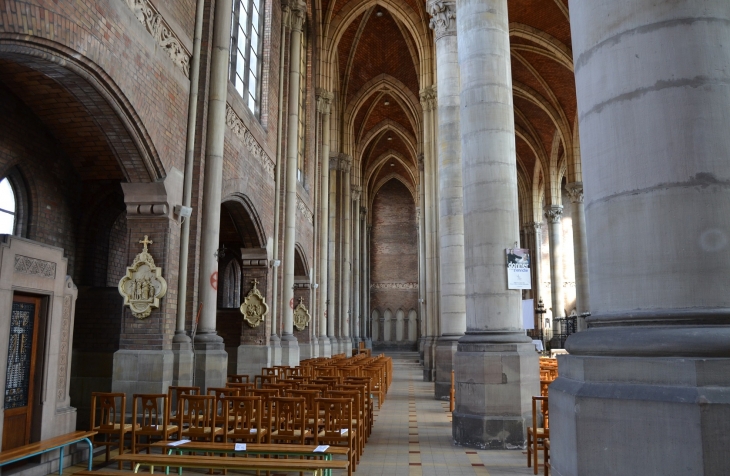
(18, 398)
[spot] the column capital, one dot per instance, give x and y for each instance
(324, 100)
(443, 17)
(554, 213)
(535, 226)
(421, 162)
(345, 162)
(428, 98)
(298, 13)
(355, 191)
(363, 212)
(334, 162)
(575, 192)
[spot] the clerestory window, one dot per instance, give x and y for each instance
(245, 72)
(7, 208)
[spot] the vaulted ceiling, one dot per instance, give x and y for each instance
(379, 58)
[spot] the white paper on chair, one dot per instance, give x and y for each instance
(253, 430)
(240, 447)
(343, 431)
(178, 443)
(321, 448)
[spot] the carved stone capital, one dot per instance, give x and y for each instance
(428, 98)
(356, 191)
(535, 226)
(575, 192)
(363, 212)
(421, 162)
(334, 162)
(554, 213)
(324, 101)
(443, 17)
(297, 14)
(345, 162)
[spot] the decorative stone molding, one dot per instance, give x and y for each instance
(575, 192)
(443, 17)
(345, 162)
(297, 14)
(554, 213)
(421, 162)
(324, 101)
(394, 286)
(64, 348)
(429, 98)
(304, 210)
(334, 162)
(35, 267)
(160, 30)
(363, 212)
(301, 316)
(143, 286)
(240, 129)
(355, 192)
(254, 307)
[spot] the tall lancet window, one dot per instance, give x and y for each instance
(245, 72)
(7, 208)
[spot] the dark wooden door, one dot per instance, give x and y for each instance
(18, 398)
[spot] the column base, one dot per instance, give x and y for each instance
(443, 361)
(496, 376)
(306, 351)
(325, 347)
(142, 371)
(252, 358)
(183, 364)
(429, 359)
(368, 343)
(626, 381)
(315, 347)
(346, 346)
(334, 345)
(275, 346)
(289, 351)
(211, 365)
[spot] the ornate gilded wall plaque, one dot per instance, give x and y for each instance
(254, 307)
(143, 285)
(301, 316)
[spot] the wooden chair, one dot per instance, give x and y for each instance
(546, 456)
(259, 380)
(243, 388)
(536, 435)
(357, 418)
(110, 422)
(151, 421)
(366, 404)
(289, 421)
(244, 415)
(173, 397)
(312, 419)
(238, 378)
(220, 393)
(197, 418)
(337, 427)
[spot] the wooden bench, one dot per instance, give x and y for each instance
(316, 467)
(257, 449)
(40, 447)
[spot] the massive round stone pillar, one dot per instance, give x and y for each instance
(580, 251)
(324, 106)
(645, 388)
(451, 218)
(346, 278)
(554, 215)
(289, 345)
(495, 364)
(211, 360)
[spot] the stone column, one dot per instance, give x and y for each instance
(331, 278)
(324, 106)
(211, 360)
(495, 364)
(655, 149)
(356, 267)
(365, 286)
(289, 345)
(554, 214)
(451, 216)
(430, 224)
(580, 250)
(345, 308)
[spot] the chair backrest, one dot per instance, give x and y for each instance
(173, 397)
(150, 413)
(361, 387)
(270, 371)
(243, 388)
(243, 415)
(259, 380)
(289, 417)
(241, 378)
(353, 395)
(336, 414)
(196, 413)
(540, 410)
(110, 407)
(308, 396)
(220, 393)
(281, 386)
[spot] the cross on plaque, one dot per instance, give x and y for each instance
(145, 242)
(255, 282)
(301, 299)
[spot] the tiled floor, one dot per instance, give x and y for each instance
(412, 436)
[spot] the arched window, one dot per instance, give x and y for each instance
(7, 207)
(246, 33)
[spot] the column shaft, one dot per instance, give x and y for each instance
(324, 199)
(495, 364)
(345, 309)
(356, 268)
(331, 278)
(554, 214)
(580, 250)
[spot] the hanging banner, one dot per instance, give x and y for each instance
(518, 268)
